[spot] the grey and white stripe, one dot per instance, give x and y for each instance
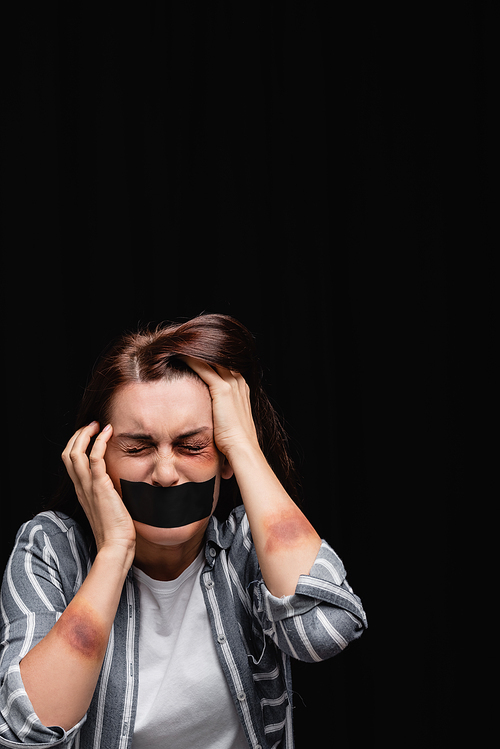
(255, 633)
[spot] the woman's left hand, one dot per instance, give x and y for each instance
(234, 428)
(285, 541)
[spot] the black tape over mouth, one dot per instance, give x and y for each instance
(168, 506)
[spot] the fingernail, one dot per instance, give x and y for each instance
(107, 428)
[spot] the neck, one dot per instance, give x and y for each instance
(166, 562)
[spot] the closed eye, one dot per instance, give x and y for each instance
(195, 446)
(136, 450)
(188, 448)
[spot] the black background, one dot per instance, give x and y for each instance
(291, 166)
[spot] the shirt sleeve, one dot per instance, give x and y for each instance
(34, 594)
(321, 618)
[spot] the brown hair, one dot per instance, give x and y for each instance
(149, 355)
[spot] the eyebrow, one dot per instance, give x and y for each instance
(137, 437)
(149, 438)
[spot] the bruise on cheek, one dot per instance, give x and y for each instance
(287, 531)
(81, 629)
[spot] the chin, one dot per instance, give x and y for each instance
(170, 536)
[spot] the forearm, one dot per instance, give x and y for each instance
(60, 673)
(285, 541)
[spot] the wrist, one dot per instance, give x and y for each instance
(251, 469)
(245, 454)
(117, 555)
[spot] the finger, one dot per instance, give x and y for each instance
(233, 378)
(210, 372)
(207, 373)
(79, 443)
(75, 457)
(226, 373)
(74, 437)
(96, 457)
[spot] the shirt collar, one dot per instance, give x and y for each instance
(221, 534)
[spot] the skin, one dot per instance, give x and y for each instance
(164, 433)
(285, 541)
(165, 412)
(287, 531)
(81, 632)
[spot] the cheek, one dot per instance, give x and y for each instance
(198, 467)
(124, 467)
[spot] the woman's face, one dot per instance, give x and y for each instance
(163, 435)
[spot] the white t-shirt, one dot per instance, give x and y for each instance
(184, 700)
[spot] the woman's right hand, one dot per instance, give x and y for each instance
(61, 671)
(109, 518)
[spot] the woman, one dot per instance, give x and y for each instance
(138, 613)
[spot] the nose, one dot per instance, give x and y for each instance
(165, 471)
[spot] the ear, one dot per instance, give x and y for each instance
(226, 470)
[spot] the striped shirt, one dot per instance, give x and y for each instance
(255, 633)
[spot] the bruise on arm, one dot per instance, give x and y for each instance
(82, 631)
(289, 531)
(286, 545)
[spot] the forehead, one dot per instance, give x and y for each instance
(162, 406)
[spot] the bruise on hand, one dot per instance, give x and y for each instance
(288, 531)
(81, 629)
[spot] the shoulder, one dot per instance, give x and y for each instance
(51, 524)
(53, 535)
(47, 565)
